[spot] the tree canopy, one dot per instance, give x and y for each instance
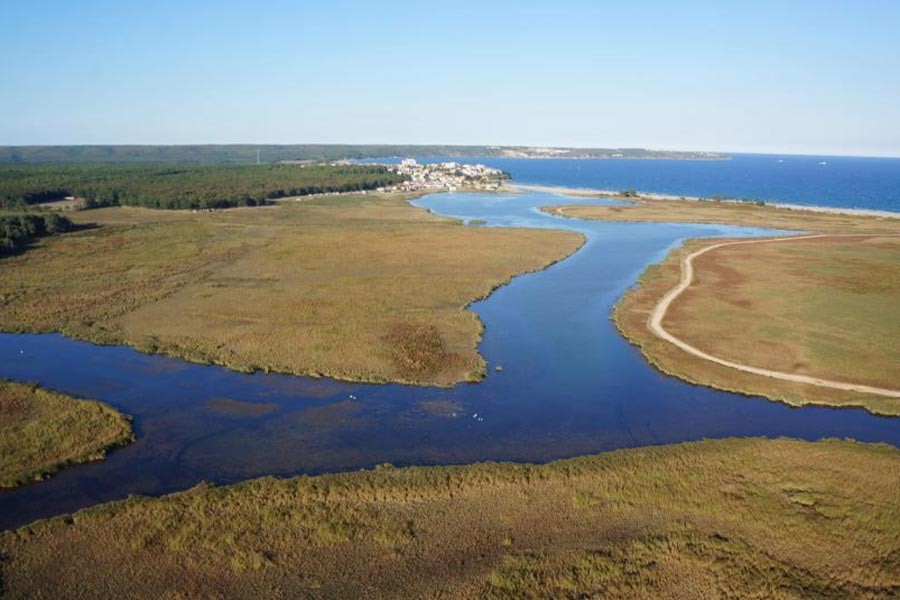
(179, 186)
(17, 230)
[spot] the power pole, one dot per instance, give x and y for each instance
(257, 156)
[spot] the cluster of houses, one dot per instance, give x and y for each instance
(447, 176)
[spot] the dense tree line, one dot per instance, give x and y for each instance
(17, 230)
(182, 186)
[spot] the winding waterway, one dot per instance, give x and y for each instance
(569, 385)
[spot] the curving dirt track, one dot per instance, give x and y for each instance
(687, 277)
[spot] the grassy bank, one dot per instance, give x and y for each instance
(826, 307)
(41, 432)
(364, 287)
(728, 518)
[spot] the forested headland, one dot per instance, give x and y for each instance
(181, 186)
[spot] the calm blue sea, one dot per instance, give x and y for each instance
(847, 182)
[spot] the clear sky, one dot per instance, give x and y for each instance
(796, 76)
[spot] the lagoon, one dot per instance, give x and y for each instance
(569, 385)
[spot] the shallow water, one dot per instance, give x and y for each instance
(570, 385)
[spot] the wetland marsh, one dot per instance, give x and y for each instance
(569, 385)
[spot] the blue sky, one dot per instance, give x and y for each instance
(782, 76)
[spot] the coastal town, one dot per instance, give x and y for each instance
(450, 176)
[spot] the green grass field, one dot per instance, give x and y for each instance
(713, 519)
(357, 287)
(42, 432)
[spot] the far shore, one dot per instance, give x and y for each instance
(592, 193)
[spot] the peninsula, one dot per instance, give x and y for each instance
(811, 319)
(42, 432)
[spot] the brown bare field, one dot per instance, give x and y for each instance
(824, 307)
(41, 432)
(713, 519)
(363, 288)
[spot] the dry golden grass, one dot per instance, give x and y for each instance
(807, 307)
(363, 288)
(41, 432)
(804, 306)
(713, 519)
(827, 307)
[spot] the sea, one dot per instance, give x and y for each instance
(834, 181)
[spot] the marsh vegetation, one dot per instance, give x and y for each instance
(728, 518)
(364, 288)
(43, 431)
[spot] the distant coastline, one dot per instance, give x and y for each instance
(300, 153)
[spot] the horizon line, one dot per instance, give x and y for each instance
(552, 146)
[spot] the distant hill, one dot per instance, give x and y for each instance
(247, 153)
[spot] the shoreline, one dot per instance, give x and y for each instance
(594, 192)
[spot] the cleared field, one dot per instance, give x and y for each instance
(363, 287)
(824, 307)
(41, 432)
(728, 518)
